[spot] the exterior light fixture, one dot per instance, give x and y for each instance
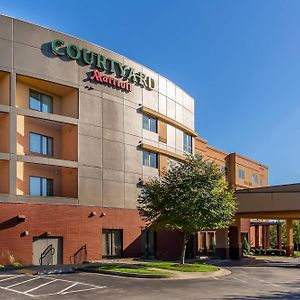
(103, 214)
(92, 214)
(24, 233)
(21, 218)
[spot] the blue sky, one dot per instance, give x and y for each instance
(240, 60)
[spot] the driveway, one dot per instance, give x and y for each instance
(246, 282)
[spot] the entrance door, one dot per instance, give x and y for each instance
(148, 239)
(47, 251)
(112, 242)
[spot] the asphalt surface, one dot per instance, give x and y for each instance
(247, 283)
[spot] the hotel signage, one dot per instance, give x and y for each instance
(103, 66)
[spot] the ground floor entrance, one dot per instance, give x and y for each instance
(47, 250)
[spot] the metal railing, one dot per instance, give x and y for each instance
(46, 258)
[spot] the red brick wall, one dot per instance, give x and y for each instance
(73, 223)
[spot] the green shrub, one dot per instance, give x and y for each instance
(16, 264)
(2, 266)
(245, 245)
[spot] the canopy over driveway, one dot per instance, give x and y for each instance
(273, 202)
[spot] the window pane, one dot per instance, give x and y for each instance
(49, 187)
(145, 158)
(35, 142)
(34, 102)
(145, 122)
(44, 145)
(34, 186)
(50, 146)
(153, 160)
(44, 186)
(46, 104)
(153, 125)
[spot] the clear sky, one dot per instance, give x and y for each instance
(240, 60)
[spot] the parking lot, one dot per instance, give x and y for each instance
(245, 283)
(42, 286)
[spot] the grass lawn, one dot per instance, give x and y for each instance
(297, 253)
(134, 269)
(190, 267)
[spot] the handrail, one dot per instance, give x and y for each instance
(49, 250)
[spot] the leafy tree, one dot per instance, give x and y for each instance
(192, 196)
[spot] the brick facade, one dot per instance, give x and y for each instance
(74, 224)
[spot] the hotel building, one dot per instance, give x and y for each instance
(81, 129)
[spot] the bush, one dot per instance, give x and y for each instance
(16, 264)
(245, 245)
(2, 266)
(212, 246)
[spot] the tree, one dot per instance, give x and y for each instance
(192, 196)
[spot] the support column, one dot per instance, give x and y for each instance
(235, 243)
(279, 236)
(264, 237)
(289, 238)
(268, 236)
(222, 249)
(256, 238)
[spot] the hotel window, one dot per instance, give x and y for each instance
(112, 242)
(40, 102)
(254, 178)
(150, 123)
(39, 186)
(241, 174)
(150, 159)
(222, 169)
(261, 182)
(40, 144)
(187, 143)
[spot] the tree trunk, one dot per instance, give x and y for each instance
(184, 241)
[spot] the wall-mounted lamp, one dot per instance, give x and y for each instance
(24, 233)
(92, 214)
(103, 215)
(21, 218)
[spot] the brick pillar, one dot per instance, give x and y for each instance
(235, 244)
(256, 237)
(268, 236)
(264, 237)
(222, 247)
(279, 236)
(289, 238)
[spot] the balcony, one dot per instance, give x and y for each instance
(4, 88)
(64, 180)
(64, 100)
(4, 132)
(64, 138)
(4, 177)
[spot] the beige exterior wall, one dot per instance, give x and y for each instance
(4, 88)
(97, 126)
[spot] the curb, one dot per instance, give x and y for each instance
(179, 275)
(115, 273)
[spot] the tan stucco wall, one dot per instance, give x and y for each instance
(4, 132)
(4, 175)
(4, 88)
(64, 179)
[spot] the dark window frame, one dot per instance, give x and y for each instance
(149, 153)
(241, 171)
(41, 144)
(51, 194)
(40, 100)
(110, 231)
(186, 147)
(149, 118)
